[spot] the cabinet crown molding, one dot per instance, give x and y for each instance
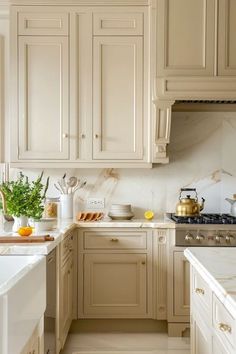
(80, 2)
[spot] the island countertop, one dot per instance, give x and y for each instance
(217, 266)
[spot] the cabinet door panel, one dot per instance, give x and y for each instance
(226, 33)
(181, 285)
(118, 98)
(218, 347)
(66, 301)
(185, 37)
(200, 338)
(43, 98)
(115, 285)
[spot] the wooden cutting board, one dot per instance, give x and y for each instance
(25, 239)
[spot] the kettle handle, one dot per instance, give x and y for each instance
(188, 190)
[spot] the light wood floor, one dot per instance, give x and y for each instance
(125, 343)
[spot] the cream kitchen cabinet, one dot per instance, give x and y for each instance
(65, 287)
(212, 325)
(185, 37)
(200, 337)
(40, 105)
(181, 279)
(80, 86)
(226, 38)
(178, 292)
(196, 38)
(114, 273)
(118, 91)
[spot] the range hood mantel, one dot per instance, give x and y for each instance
(162, 120)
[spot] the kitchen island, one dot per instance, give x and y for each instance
(213, 300)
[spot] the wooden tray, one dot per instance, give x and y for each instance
(25, 239)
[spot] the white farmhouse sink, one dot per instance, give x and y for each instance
(22, 299)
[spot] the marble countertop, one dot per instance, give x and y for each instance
(217, 266)
(65, 226)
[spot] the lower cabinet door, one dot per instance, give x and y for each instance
(65, 301)
(200, 338)
(115, 285)
(218, 347)
(181, 296)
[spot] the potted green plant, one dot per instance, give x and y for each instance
(24, 199)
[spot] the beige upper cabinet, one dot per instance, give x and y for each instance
(118, 97)
(43, 117)
(185, 40)
(226, 38)
(81, 86)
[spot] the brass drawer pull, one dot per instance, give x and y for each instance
(224, 327)
(114, 240)
(143, 262)
(199, 291)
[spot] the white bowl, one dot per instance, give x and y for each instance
(120, 207)
(44, 224)
(121, 216)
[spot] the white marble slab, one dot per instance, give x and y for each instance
(217, 266)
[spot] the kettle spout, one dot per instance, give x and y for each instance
(202, 204)
(231, 201)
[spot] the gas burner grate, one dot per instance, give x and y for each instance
(205, 219)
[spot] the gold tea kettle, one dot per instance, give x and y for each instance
(188, 206)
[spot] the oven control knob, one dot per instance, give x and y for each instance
(199, 237)
(218, 238)
(188, 237)
(228, 238)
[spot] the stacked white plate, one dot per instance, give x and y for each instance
(121, 212)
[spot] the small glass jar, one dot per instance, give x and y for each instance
(51, 208)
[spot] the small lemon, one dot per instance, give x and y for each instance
(149, 214)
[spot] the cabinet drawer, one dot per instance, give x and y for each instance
(201, 293)
(42, 23)
(67, 247)
(117, 24)
(115, 240)
(224, 324)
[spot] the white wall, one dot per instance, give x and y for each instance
(202, 155)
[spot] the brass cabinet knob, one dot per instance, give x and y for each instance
(83, 136)
(96, 136)
(143, 262)
(200, 291)
(223, 327)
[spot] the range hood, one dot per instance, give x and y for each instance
(163, 109)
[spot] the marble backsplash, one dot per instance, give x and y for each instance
(202, 155)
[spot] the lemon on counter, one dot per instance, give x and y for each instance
(149, 214)
(25, 231)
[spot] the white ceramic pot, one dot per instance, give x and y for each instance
(19, 221)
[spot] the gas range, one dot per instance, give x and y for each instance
(205, 230)
(205, 219)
